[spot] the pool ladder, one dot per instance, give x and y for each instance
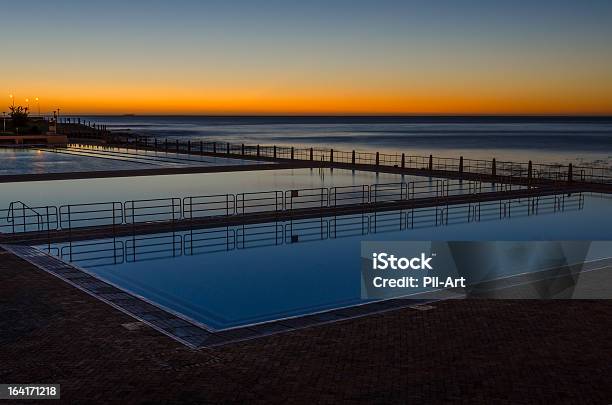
(15, 207)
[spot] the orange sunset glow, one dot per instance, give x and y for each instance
(110, 100)
(405, 59)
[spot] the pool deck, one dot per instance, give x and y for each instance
(477, 351)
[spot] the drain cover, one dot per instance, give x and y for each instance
(422, 307)
(132, 325)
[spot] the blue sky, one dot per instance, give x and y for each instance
(333, 51)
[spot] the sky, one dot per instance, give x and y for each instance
(308, 57)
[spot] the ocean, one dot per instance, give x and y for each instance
(579, 140)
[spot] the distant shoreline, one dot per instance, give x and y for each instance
(441, 118)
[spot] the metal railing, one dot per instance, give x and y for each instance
(349, 195)
(433, 163)
(306, 198)
(91, 214)
(492, 167)
(152, 210)
(208, 206)
(204, 241)
(261, 201)
(20, 218)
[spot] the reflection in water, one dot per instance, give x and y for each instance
(239, 275)
(202, 241)
(88, 158)
(584, 140)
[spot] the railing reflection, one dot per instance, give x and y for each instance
(144, 247)
(207, 241)
(20, 218)
(93, 254)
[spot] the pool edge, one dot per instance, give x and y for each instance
(186, 331)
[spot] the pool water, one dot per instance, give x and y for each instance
(59, 192)
(77, 158)
(236, 276)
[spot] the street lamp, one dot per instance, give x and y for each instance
(28, 103)
(38, 105)
(12, 100)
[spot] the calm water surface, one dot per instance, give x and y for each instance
(241, 275)
(541, 139)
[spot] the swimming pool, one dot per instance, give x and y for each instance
(87, 158)
(241, 275)
(78, 191)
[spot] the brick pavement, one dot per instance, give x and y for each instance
(467, 351)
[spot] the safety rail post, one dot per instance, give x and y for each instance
(23, 217)
(292, 152)
(70, 231)
(133, 226)
(258, 154)
(377, 158)
(242, 150)
(403, 161)
(493, 168)
(311, 154)
(155, 143)
(530, 170)
(113, 205)
(189, 147)
(353, 157)
(228, 149)
(331, 156)
(166, 143)
(430, 162)
(274, 152)
(190, 198)
(201, 148)
(177, 146)
(569, 173)
(48, 230)
(173, 216)
(215, 148)
(460, 164)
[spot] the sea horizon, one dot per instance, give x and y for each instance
(581, 140)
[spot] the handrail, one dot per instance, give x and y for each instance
(595, 174)
(192, 208)
(202, 241)
(10, 215)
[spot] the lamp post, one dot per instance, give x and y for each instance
(28, 103)
(38, 106)
(12, 100)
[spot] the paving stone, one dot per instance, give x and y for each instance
(472, 351)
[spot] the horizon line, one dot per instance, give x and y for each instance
(407, 115)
